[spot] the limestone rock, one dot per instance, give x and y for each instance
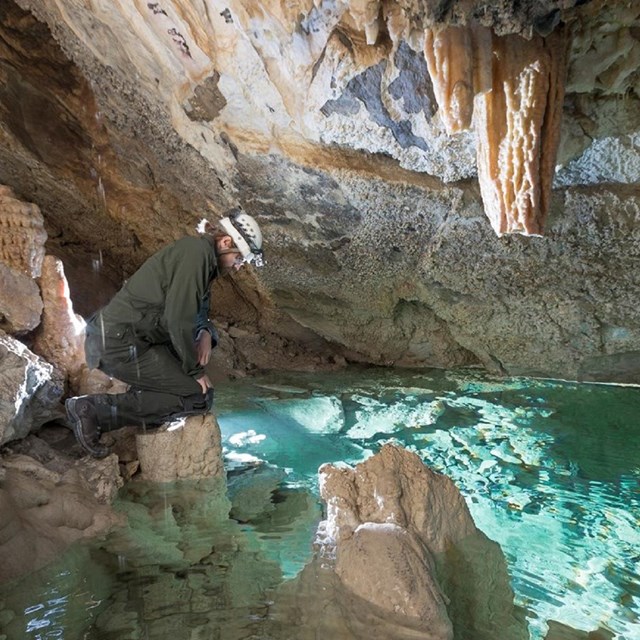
(395, 487)
(192, 450)
(405, 542)
(389, 566)
(29, 394)
(60, 337)
(449, 54)
(22, 234)
(20, 301)
(42, 512)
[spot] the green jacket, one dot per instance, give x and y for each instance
(166, 301)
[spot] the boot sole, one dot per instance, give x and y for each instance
(76, 423)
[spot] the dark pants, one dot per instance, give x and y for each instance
(159, 388)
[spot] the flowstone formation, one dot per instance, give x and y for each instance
(380, 145)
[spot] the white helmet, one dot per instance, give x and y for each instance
(246, 235)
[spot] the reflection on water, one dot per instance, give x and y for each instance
(549, 470)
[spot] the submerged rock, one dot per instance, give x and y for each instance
(42, 511)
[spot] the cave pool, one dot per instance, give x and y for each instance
(549, 469)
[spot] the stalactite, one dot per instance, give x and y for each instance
(449, 58)
(518, 127)
(365, 14)
(518, 86)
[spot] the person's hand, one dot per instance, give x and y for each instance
(203, 347)
(204, 383)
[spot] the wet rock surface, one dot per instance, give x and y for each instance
(405, 544)
(43, 511)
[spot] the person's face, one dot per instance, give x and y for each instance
(229, 258)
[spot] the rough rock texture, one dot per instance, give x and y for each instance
(405, 542)
(42, 511)
(29, 392)
(22, 234)
(60, 336)
(188, 449)
(159, 112)
(20, 301)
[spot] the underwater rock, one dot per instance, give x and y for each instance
(29, 391)
(190, 448)
(60, 337)
(20, 301)
(250, 491)
(406, 545)
(42, 512)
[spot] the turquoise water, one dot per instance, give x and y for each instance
(550, 470)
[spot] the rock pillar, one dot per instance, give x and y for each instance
(189, 448)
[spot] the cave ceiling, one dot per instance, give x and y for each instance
(440, 183)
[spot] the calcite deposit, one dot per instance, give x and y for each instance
(518, 118)
(60, 335)
(22, 234)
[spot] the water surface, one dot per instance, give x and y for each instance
(550, 470)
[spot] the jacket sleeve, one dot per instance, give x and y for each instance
(189, 271)
(203, 322)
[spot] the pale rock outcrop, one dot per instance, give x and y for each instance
(42, 511)
(186, 448)
(30, 392)
(96, 381)
(60, 336)
(22, 234)
(406, 544)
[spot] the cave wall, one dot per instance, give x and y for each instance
(125, 122)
